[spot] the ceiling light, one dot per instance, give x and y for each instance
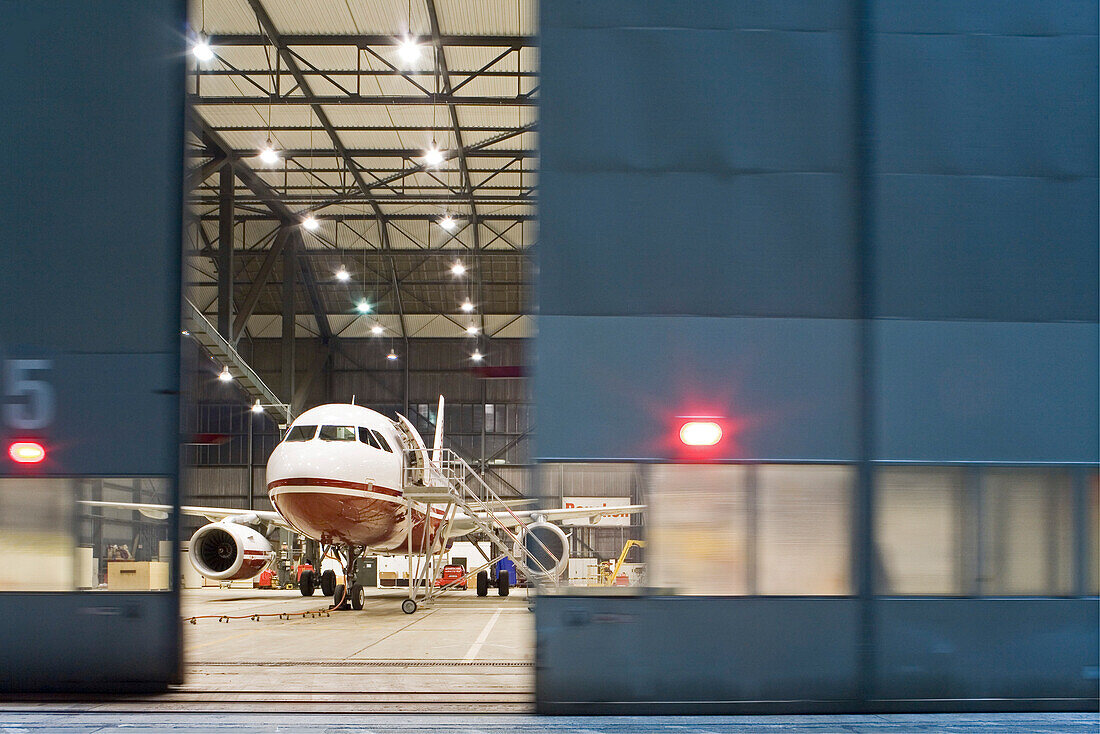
(433, 156)
(310, 223)
(363, 306)
(409, 51)
(257, 408)
(224, 375)
(202, 49)
(467, 306)
(471, 330)
(376, 330)
(447, 222)
(477, 356)
(343, 275)
(392, 355)
(458, 269)
(269, 155)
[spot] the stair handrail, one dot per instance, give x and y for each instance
(445, 470)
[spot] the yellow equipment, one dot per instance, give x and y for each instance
(622, 557)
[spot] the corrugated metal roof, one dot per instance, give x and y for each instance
(489, 17)
(384, 119)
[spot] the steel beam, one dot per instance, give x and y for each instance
(321, 354)
(225, 252)
(470, 74)
(456, 128)
(309, 280)
(320, 152)
(268, 27)
(269, 198)
(255, 100)
(200, 173)
(290, 267)
(364, 40)
(244, 173)
(359, 217)
(289, 127)
(305, 198)
(259, 283)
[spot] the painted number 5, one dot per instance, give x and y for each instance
(29, 402)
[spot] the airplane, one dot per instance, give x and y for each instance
(358, 482)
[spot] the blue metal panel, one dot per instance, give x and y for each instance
(1022, 17)
(95, 641)
(986, 146)
(617, 655)
(708, 174)
(989, 248)
(695, 243)
(114, 415)
(619, 383)
(617, 651)
(702, 14)
(964, 391)
(988, 649)
(90, 199)
(986, 105)
(730, 119)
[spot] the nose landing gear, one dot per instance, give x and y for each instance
(350, 594)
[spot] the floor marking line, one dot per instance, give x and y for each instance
(475, 648)
(429, 613)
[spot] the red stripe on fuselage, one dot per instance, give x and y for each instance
(339, 483)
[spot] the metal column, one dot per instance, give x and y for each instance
(287, 343)
(226, 184)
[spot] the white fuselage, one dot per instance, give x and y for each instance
(331, 481)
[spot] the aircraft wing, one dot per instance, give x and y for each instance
(213, 514)
(463, 524)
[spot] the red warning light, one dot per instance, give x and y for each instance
(27, 452)
(700, 433)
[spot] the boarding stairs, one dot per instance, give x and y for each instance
(442, 479)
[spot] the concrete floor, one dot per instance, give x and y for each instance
(467, 651)
(255, 723)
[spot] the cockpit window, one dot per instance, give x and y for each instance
(382, 441)
(337, 433)
(301, 433)
(367, 437)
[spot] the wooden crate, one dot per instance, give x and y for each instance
(137, 575)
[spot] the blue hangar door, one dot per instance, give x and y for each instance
(91, 112)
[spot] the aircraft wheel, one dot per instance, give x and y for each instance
(339, 597)
(482, 583)
(305, 583)
(358, 596)
(328, 582)
(502, 583)
(408, 606)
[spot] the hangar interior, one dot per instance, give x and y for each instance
(360, 226)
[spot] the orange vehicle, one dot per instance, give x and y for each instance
(450, 574)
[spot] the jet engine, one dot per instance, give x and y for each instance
(228, 551)
(542, 550)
